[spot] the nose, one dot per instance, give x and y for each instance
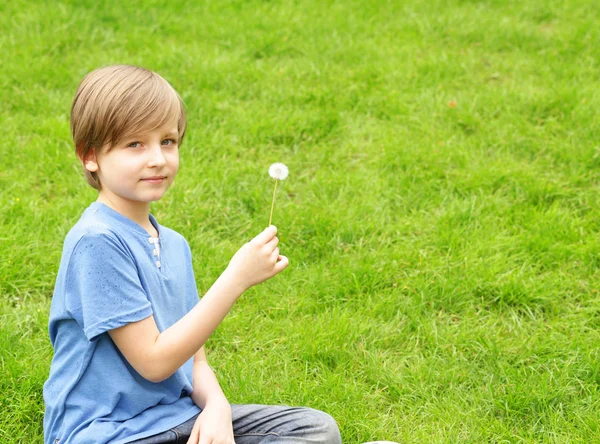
(156, 156)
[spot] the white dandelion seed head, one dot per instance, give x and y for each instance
(278, 171)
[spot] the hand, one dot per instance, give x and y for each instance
(213, 426)
(258, 260)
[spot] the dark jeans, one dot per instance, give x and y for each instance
(253, 424)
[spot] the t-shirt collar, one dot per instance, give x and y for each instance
(131, 225)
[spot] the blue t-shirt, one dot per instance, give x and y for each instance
(113, 273)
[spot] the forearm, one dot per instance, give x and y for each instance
(174, 346)
(206, 386)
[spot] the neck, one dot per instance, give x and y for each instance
(138, 212)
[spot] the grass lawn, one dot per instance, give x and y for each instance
(440, 215)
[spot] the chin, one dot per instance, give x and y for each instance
(147, 198)
(153, 195)
(154, 198)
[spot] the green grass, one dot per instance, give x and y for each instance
(444, 276)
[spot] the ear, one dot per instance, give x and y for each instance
(89, 161)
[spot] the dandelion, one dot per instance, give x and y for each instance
(277, 171)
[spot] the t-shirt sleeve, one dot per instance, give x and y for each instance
(104, 291)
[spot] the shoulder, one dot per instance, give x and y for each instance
(173, 236)
(93, 233)
(177, 243)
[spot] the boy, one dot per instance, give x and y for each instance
(126, 325)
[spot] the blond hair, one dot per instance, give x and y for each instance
(116, 102)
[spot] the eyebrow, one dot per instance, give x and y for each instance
(137, 136)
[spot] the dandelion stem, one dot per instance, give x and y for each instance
(273, 203)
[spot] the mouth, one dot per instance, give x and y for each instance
(154, 179)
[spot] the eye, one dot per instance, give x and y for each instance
(169, 142)
(134, 145)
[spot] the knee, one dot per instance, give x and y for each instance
(325, 427)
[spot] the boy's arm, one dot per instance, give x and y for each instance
(206, 386)
(156, 355)
(214, 424)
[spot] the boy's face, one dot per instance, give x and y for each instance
(138, 170)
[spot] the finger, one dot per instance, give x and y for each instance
(272, 243)
(275, 255)
(205, 439)
(282, 264)
(193, 439)
(266, 235)
(194, 435)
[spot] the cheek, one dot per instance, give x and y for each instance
(174, 161)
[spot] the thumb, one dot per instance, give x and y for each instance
(194, 435)
(282, 263)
